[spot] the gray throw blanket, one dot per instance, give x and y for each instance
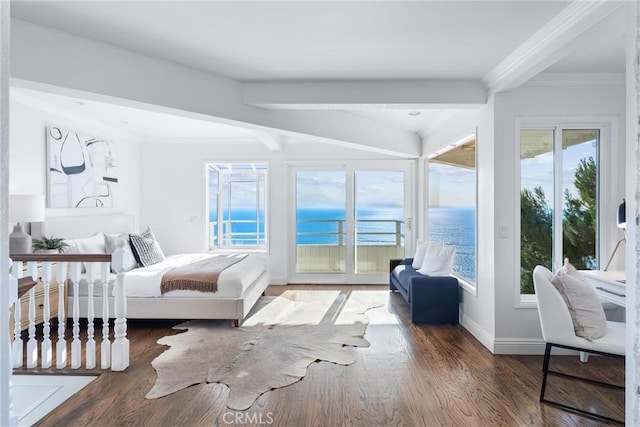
(201, 275)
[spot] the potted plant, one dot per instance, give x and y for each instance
(53, 245)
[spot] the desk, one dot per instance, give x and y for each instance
(609, 285)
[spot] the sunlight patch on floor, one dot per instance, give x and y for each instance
(34, 396)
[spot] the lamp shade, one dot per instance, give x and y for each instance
(26, 208)
(622, 214)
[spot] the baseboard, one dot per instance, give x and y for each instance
(485, 338)
(277, 280)
(522, 346)
(526, 347)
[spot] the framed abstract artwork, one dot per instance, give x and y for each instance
(82, 170)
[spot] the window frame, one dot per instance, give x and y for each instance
(348, 167)
(220, 205)
(465, 284)
(607, 127)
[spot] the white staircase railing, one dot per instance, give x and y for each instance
(114, 354)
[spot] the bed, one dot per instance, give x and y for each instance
(239, 286)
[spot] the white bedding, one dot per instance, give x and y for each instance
(144, 282)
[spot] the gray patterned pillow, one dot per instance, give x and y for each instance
(589, 320)
(146, 249)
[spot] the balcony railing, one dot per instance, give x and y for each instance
(321, 243)
(327, 236)
(377, 236)
(321, 249)
(231, 238)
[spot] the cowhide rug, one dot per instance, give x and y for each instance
(273, 347)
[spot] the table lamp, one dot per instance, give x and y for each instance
(622, 223)
(23, 208)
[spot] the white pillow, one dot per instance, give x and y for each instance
(438, 261)
(589, 320)
(430, 249)
(110, 244)
(421, 248)
(86, 245)
(71, 248)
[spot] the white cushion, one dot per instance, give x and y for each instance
(587, 314)
(110, 243)
(86, 245)
(438, 261)
(421, 248)
(428, 247)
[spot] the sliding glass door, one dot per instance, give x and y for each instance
(379, 231)
(320, 221)
(349, 221)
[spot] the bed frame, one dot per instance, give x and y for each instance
(72, 227)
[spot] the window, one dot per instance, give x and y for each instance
(348, 219)
(559, 199)
(452, 204)
(236, 205)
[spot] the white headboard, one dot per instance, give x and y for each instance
(73, 227)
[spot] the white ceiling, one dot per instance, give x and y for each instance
(316, 41)
(308, 40)
(421, 123)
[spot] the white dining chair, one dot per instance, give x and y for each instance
(558, 331)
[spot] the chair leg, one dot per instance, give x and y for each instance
(545, 370)
(584, 356)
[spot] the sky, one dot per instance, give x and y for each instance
(451, 185)
(327, 189)
(455, 186)
(538, 171)
(448, 185)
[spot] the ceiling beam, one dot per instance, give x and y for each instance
(349, 95)
(58, 62)
(549, 44)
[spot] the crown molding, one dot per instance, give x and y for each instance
(577, 79)
(547, 45)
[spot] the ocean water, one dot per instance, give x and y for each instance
(456, 225)
(453, 225)
(328, 226)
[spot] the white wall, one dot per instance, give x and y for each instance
(172, 191)
(491, 315)
(477, 309)
(517, 330)
(27, 166)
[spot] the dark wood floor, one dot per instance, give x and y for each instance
(410, 376)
